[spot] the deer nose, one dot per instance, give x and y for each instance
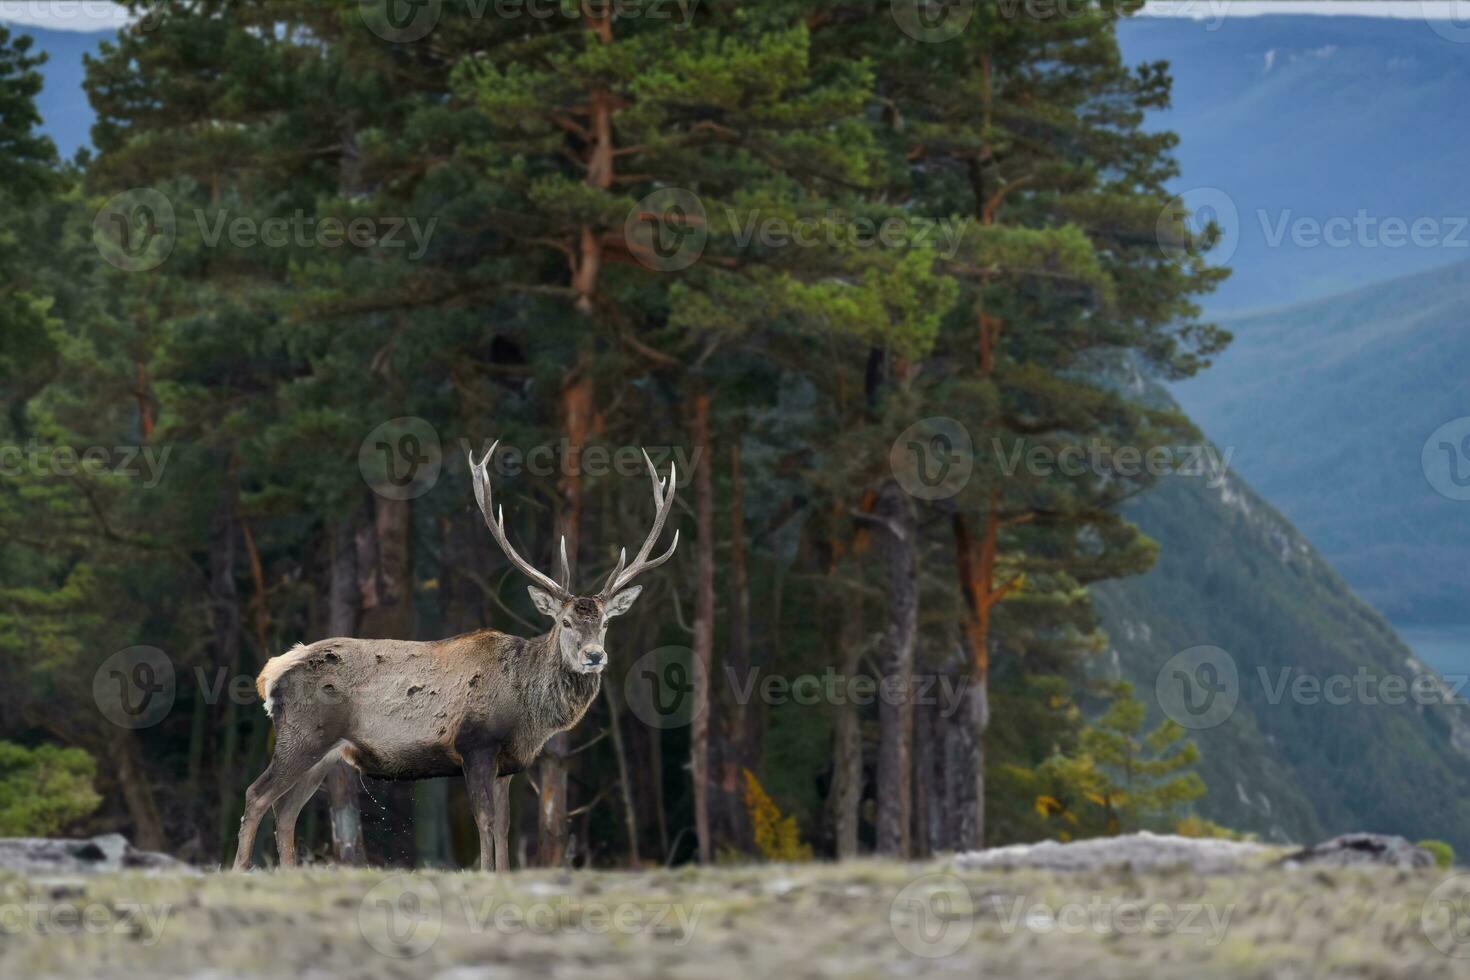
(594, 655)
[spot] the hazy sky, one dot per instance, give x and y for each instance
(65, 15)
(103, 15)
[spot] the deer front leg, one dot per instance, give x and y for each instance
(480, 779)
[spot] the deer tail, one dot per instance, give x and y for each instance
(274, 669)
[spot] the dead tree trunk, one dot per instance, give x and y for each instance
(895, 515)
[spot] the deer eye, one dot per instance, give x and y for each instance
(567, 623)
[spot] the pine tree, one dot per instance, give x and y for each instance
(1027, 130)
(28, 160)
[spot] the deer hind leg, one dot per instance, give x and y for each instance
(288, 807)
(480, 780)
(501, 820)
(293, 759)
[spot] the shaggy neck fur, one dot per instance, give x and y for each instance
(556, 695)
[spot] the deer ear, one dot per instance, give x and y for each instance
(544, 603)
(621, 602)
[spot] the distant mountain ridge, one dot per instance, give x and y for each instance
(1328, 407)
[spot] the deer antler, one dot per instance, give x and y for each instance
(481, 475)
(663, 502)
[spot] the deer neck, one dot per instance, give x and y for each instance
(564, 694)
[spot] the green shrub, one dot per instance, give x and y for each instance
(43, 789)
(1444, 854)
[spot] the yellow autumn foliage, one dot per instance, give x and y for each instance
(776, 837)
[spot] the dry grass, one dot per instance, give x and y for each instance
(863, 919)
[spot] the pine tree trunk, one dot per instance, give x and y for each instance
(122, 752)
(730, 748)
(343, 601)
(847, 739)
(975, 565)
(576, 410)
(224, 604)
(704, 624)
(385, 580)
(598, 160)
(896, 711)
(625, 782)
(928, 812)
(551, 824)
(972, 833)
(431, 822)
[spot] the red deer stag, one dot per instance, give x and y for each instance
(482, 704)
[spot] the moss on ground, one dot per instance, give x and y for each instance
(862, 919)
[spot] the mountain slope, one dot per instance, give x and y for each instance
(1328, 407)
(1234, 574)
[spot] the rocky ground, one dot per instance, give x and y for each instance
(1168, 910)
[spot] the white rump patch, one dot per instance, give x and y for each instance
(274, 668)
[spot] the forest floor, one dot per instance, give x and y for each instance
(858, 919)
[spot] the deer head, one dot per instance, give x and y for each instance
(579, 623)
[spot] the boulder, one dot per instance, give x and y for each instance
(108, 852)
(1142, 852)
(1352, 850)
(1150, 852)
